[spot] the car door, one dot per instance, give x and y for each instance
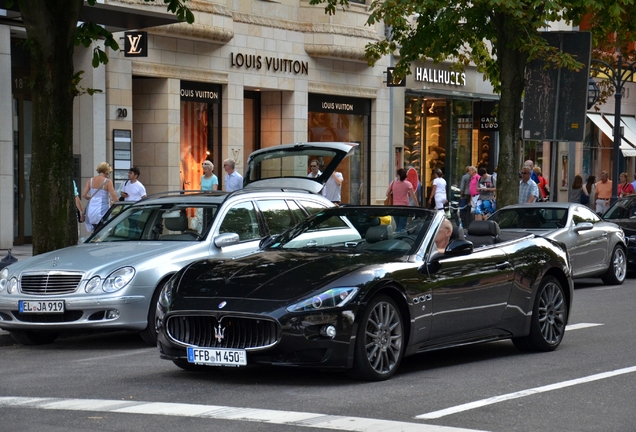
(470, 293)
(240, 218)
(623, 214)
(587, 247)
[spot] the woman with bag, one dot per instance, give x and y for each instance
(438, 192)
(401, 189)
(99, 192)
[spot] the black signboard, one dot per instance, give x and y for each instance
(555, 100)
(392, 81)
(136, 44)
(200, 92)
(339, 104)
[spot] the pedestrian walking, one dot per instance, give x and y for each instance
(233, 180)
(209, 181)
(603, 193)
(133, 189)
(401, 189)
(100, 193)
(438, 192)
(528, 190)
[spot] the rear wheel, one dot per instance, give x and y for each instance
(617, 269)
(379, 342)
(549, 316)
(28, 337)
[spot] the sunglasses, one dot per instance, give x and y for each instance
(313, 166)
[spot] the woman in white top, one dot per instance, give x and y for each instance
(99, 192)
(438, 192)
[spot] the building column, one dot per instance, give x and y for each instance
(89, 116)
(6, 141)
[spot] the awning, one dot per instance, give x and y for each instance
(115, 17)
(605, 124)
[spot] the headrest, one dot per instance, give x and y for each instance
(378, 233)
(177, 223)
(458, 233)
(484, 227)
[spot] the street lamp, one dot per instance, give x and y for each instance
(618, 75)
(593, 93)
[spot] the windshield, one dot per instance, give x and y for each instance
(531, 218)
(166, 222)
(359, 229)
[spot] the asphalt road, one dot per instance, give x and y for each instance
(113, 382)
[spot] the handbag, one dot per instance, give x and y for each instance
(121, 198)
(389, 200)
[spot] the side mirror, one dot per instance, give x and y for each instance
(226, 239)
(266, 241)
(459, 247)
(583, 226)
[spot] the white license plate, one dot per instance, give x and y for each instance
(48, 306)
(217, 356)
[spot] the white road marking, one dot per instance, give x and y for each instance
(581, 326)
(299, 419)
(523, 393)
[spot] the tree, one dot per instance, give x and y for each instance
(52, 34)
(499, 36)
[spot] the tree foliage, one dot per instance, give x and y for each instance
(53, 31)
(500, 37)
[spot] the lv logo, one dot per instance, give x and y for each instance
(134, 40)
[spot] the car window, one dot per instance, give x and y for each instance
(623, 209)
(298, 213)
(241, 219)
(506, 219)
(312, 207)
(167, 222)
(277, 215)
(582, 214)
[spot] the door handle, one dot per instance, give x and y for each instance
(502, 266)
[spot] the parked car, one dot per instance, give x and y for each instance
(597, 248)
(342, 290)
(113, 279)
(623, 214)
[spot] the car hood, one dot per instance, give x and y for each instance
(271, 275)
(93, 257)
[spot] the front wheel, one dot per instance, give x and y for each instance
(549, 316)
(380, 341)
(617, 269)
(149, 334)
(28, 337)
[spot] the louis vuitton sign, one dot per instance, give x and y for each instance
(136, 44)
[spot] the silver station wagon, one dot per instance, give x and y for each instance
(113, 279)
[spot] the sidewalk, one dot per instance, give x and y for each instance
(19, 252)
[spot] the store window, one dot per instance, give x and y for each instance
(333, 118)
(200, 132)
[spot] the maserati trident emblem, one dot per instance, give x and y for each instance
(222, 304)
(219, 333)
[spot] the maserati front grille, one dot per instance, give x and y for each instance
(226, 332)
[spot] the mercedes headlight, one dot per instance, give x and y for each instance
(4, 279)
(118, 279)
(334, 297)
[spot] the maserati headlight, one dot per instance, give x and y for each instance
(165, 296)
(334, 297)
(4, 279)
(118, 279)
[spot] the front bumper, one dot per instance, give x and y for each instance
(299, 343)
(128, 312)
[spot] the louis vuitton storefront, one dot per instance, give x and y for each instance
(233, 82)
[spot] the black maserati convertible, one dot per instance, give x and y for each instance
(346, 290)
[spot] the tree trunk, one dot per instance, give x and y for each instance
(50, 26)
(512, 65)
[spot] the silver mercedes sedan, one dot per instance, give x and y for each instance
(113, 279)
(596, 248)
